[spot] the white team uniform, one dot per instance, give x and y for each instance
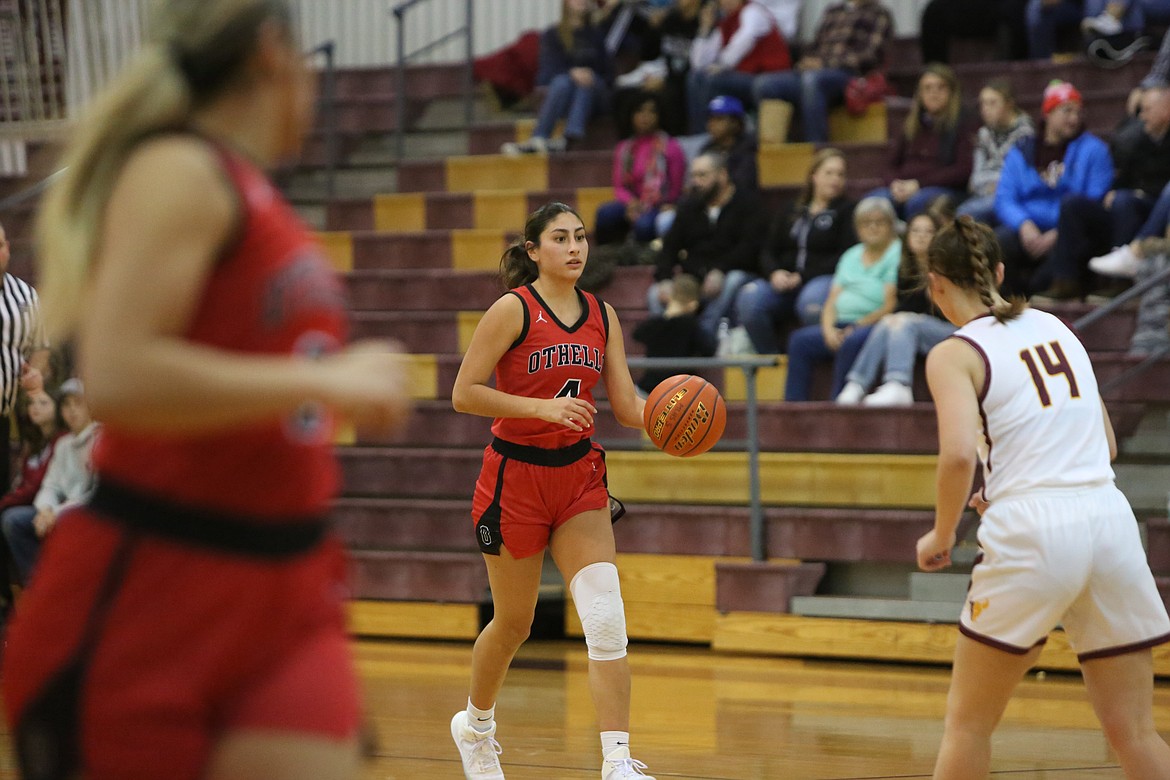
(1060, 541)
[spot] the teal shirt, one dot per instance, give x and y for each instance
(864, 289)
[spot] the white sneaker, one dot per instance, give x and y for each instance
(851, 394)
(619, 766)
(559, 144)
(890, 394)
(534, 145)
(479, 750)
(1121, 263)
(1102, 24)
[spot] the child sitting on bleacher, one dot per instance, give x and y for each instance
(68, 482)
(674, 333)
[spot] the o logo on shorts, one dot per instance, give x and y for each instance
(485, 535)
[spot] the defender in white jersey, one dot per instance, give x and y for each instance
(1060, 542)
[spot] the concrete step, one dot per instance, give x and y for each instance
(876, 609)
(939, 586)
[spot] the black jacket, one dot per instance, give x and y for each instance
(696, 245)
(829, 234)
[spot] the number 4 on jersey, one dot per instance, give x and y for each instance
(1051, 356)
(572, 389)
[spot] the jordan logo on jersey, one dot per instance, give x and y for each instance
(540, 316)
(559, 355)
(977, 608)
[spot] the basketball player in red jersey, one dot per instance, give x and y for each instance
(188, 622)
(543, 481)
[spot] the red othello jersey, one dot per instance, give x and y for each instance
(551, 359)
(272, 293)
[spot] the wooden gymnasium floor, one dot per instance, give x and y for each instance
(709, 716)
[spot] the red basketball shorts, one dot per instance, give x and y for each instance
(520, 504)
(195, 644)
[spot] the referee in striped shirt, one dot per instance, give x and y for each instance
(24, 352)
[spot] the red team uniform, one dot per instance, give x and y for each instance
(536, 474)
(198, 592)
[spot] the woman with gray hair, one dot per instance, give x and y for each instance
(863, 291)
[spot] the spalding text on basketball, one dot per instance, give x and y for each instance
(700, 417)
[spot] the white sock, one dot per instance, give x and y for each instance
(480, 720)
(612, 740)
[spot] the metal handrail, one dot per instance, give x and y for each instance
(12, 201)
(328, 100)
(404, 57)
(1139, 289)
(750, 365)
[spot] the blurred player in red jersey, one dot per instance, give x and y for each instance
(188, 623)
(543, 480)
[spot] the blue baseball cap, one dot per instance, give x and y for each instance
(725, 105)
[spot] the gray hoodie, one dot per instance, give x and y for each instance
(69, 480)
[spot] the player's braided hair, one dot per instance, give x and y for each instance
(516, 267)
(967, 253)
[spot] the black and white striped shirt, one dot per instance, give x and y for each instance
(20, 335)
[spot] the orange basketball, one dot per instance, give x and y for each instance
(685, 416)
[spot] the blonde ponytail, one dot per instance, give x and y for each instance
(151, 96)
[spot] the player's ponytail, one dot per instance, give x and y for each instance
(516, 267)
(967, 253)
(199, 48)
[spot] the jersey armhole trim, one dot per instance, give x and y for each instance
(986, 364)
(524, 328)
(604, 315)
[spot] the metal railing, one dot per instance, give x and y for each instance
(1139, 289)
(327, 108)
(404, 57)
(750, 365)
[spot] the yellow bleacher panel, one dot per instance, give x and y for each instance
(527, 172)
(500, 209)
(769, 382)
(338, 247)
(422, 620)
(467, 323)
(423, 376)
(477, 250)
(784, 164)
(882, 640)
(588, 199)
(870, 126)
(400, 212)
(345, 435)
(800, 479)
(667, 597)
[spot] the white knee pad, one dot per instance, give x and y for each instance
(598, 596)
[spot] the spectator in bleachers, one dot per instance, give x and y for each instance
(1115, 17)
(864, 290)
(728, 134)
(1004, 124)
(1046, 20)
(787, 16)
(1150, 334)
(1151, 132)
(649, 171)
(932, 156)
(675, 332)
(67, 483)
(666, 74)
(40, 426)
(716, 238)
(728, 55)
(1063, 159)
(850, 41)
(1002, 21)
(1089, 226)
(899, 338)
(798, 261)
(577, 71)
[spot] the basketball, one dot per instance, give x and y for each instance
(685, 416)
